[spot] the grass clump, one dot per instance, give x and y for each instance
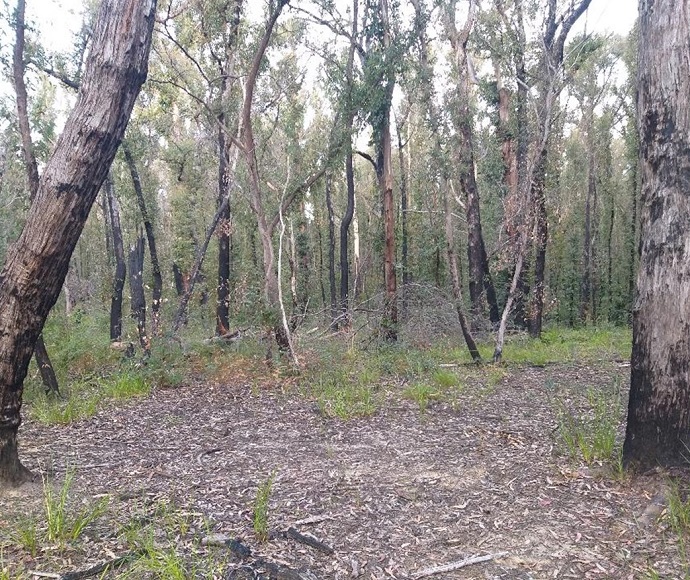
(422, 394)
(61, 525)
(593, 437)
(127, 386)
(261, 505)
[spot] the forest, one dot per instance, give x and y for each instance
(343, 288)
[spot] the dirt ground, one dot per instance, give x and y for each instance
(395, 494)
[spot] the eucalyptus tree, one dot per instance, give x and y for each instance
(36, 265)
(440, 156)
(480, 281)
(658, 428)
(199, 51)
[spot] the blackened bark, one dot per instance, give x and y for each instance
(157, 288)
(136, 288)
(331, 254)
(349, 173)
(36, 265)
(480, 282)
(658, 428)
(541, 236)
(403, 219)
(188, 282)
(120, 264)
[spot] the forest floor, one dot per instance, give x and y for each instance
(420, 482)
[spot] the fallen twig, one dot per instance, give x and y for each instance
(457, 565)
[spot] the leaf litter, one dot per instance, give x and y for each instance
(482, 478)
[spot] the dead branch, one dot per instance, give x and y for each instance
(311, 541)
(457, 565)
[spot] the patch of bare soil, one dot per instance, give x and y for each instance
(395, 495)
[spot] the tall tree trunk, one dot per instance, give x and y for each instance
(136, 288)
(265, 229)
(349, 173)
(36, 265)
(331, 255)
(120, 265)
(455, 278)
(385, 168)
(403, 215)
(556, 30)
(586, 299)
(480, 282)
(658, 428)
(226, 172)
(157, 289)
(43, 363)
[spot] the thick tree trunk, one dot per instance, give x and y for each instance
(157, 288)
(36, 265)
(120, 264)
(658, 429)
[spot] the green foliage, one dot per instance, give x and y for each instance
(593, 437)
(261, 505)
(27, 535)
(422, 394)
(61, 525)
(127, 386)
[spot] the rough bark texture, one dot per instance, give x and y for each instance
(157, 288)
(658, 430)
(120, 264)
(36, 265)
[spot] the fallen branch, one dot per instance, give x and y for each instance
(457, 565)
(103, 567)
(311, 541)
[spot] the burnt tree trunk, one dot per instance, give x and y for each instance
(36, 265)
(45, 367)
(331, 255)
(136, 288)
(120, 264)
(157, 288)
(226, 70)
(658, 429)
(480, 282)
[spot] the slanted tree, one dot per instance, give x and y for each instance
(658, 429)
(36, 264)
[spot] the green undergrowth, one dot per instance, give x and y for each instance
(347, 382)
(346, 379)
(592, 434)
